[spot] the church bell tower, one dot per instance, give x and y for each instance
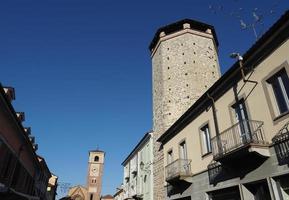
(95, 172)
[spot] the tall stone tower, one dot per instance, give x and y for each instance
(184, 64)
(95, 172)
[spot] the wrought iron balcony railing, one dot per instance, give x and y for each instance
(178, 169)
(241, 134)
(281, 143)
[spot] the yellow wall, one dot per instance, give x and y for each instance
(258, 108)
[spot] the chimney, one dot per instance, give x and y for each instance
(27, 130)
(20, 116)
(10, 93)
(35, 147)
(32, 139)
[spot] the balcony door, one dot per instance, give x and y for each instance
(183, 150)
(242, 119)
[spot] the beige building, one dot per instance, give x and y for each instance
(184, 64)
(52, 187)
(233, 142)
(77, 193)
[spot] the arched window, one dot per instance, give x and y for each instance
(96, 159)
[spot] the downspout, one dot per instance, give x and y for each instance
(219, 144)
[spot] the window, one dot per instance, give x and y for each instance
(280, 85)
(206, 139)
(96, 159)
(170, 156)
(183, 150)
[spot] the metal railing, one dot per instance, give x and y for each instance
(178, 168)
(281, 143)
(240, 134)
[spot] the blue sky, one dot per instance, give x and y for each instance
(82, 70)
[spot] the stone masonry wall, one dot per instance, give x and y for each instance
(184, 67)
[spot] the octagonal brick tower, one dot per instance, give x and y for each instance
(184, 65)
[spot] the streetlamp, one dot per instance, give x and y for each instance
(240, 60)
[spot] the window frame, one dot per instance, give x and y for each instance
(276, 81)
(269, 93)
(170, 153)
(201, 135)
(183, 144)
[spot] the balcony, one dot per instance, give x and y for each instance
(178, 170)
(237, 141)
(281, 144)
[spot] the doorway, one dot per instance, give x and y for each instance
(241, 117)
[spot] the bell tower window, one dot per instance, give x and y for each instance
(96, 159)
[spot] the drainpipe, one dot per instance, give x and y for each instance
(215, 123)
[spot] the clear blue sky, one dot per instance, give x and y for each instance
(82, 70)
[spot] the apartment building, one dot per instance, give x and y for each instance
(23, 174)
(138, 169)
(233, 142)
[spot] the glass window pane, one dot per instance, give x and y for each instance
(279, 96)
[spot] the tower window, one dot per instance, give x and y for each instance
(96, 159)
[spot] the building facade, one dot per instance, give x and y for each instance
(77, 193)
(233, 142)
(184, 64)
(23, 174)
(138, 169)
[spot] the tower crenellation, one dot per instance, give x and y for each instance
(184, 65)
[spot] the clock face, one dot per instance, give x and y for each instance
(94, 170)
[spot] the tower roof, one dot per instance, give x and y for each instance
(97, 150)
(177, 26)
